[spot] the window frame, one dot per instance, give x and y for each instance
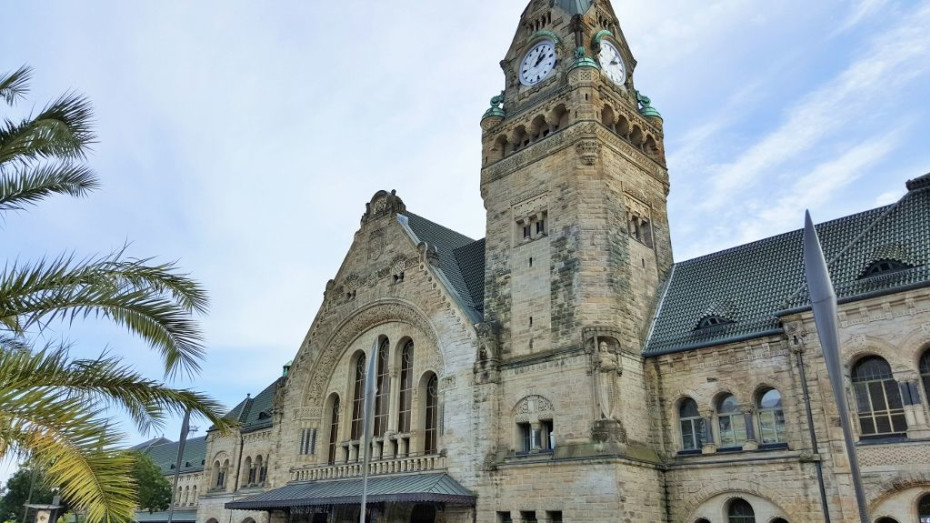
(867, 387)
(774, 415)
(405, 403)
(332, 446)
(358, 397)
(735, 436)
(431, 416)
(740, 518)
(696, 424)
(382, 405)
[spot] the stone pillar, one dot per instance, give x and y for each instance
(909, 383)
(752, 442)
(394, 410)
(353, 452)
(709, 446)
(402, 446)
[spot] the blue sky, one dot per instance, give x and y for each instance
(244, 138)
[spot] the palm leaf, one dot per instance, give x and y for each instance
(61, 130)
(154, 302)
(34, 183)
(15, 85)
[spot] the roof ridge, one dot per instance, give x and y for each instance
(883, 208)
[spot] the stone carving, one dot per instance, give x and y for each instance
(375, 245)
(362, 321)
(609, 370)
(588, 151)
(529, 408)
(382, 204)
(926, 327)
(428, 254)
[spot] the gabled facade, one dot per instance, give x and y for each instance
(564, 368)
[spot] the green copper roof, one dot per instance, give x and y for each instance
(165, 455)
(575, 7)
(754, 284)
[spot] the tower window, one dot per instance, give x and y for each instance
(541, 227)
(528, 516)
(525, 432)
(527, 231)
(531, 262)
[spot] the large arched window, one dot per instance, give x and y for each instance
(333, 430)
(250, 467)
(878, 398)
(740, 511)
(692, 425)
(731, 423)
(406, 388)
(925, 373)
(923, 509)
(358, 397)
(382, 395)
(217, 470)
(431, 416)
(771, 418)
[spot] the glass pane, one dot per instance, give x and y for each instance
(923, 508)
(728, 405)
(893, 393)
(739, 429)
(699, 430)
(898, 422)
(872, 368)
(741, 511)
(767, 427)
(770, 400)
(877, 393)
(687, 434)
(688, 409)
(866, 424)
(861, 392)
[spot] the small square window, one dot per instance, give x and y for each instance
(554, 516)
(504, 517)
(528, 516)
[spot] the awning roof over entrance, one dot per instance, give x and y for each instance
(415, 488)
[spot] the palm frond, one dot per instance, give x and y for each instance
(30, 184)
(15, 85)
(62, 130)
(155, 303)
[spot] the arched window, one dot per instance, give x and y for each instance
(250, 467)
(925, 373)
(887, 520)
(731, 424)
(333, 430)
(431, 418)
(771, 418)
(923, 509)
(740, 511)
(261, 469)
(692, 425)
(702, 520)
(382, 395)
(358, 397)
(179, 496)
(779, 520)
(406, 388)
(194, 495)
(878, 398)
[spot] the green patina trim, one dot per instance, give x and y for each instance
(582, 60)
(544, 34)
(600, 36)
(494, 112)
(645, 106)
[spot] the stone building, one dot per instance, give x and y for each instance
(164, 453)
(564, 367)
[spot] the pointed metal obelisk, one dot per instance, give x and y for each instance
(367, 419)
(823, 303)
(182, 441)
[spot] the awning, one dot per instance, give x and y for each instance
(180, 516)
(413, 488)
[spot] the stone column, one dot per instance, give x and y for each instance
(752, 442)
(394, 410)
(709, 446)
(909, 383)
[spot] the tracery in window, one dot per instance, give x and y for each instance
(431, 418)
(878, 398)
(358, 397)
(712, 321)
(406, 388)
(382, 396)
(879, 267)
(731, 423)
(692, 425)
(740, 511)
(771, 418)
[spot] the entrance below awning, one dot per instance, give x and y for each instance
(412, 488)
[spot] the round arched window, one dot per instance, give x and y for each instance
(692, 425)
(923, 509)
(740, 511)
(878, 399)
(771, 418)
(731, 424)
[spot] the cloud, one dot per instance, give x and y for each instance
(864, 86)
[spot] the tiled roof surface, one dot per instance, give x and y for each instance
(758, 281)
(165, 455)
(413, 488)
(453, 248)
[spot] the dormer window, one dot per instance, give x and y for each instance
(712, 321)
(880, 267)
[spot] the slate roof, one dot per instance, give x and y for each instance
(255, 413)
(758, 282)
(461, 260)
(414, 488)
(165, 454)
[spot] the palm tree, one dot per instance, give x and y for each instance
(53, 407)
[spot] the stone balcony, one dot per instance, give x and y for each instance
(377, 467)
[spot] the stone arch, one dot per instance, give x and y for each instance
(608, 117)
(637, 136)
(863, 346)
(500, 148)
(622, 127)
(558, 117)
(763, 387)
(680, 396)
(248, 520)
(532, 408)
(899, 483)
(717, 396)
(212, 520)
(711, 501)
(519, 138)
(918, 340)
(539, 128)
(363, 321)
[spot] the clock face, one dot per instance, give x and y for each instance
(538, 63)
(612, 63)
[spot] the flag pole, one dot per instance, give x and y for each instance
(369, 404)
(824, 306)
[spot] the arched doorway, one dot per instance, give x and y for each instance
(423, 514)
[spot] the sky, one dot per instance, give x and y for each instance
(243, 139)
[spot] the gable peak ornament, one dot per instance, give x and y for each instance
(383, 203)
